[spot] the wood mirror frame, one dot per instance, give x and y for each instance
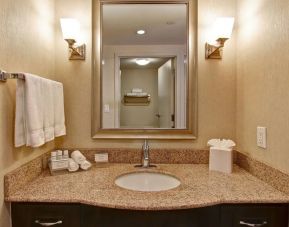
(117, 133)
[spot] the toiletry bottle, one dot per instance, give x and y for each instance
(59, 155)
(53, 155)
(65, 154)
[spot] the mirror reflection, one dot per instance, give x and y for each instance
(144, 66)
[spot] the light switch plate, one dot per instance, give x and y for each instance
(106, 108)
(262, 137)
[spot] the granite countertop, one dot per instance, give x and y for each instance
(199, 187)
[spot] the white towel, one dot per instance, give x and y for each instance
(59, 118)
(39, 111)
(136, 94)
(78, 157)
(48, 99)
(20, 132)
(72, 165)
(142, 94)
(85, 165)
(29, 112)
(135, 90)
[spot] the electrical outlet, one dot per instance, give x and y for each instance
(101, 157)
(262, 137)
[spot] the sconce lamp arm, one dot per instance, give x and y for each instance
(76, 52)
(215, 51)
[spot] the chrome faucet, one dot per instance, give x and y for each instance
(146, 158)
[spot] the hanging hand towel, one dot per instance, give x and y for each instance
(39, 111)
(29, 112)
(48, 99)
(19, 132)
(59, 118)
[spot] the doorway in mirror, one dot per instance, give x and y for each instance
(147, 96)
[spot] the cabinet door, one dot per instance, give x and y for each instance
(106, 217)
(45, 214)
(254, 215)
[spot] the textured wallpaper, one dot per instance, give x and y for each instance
(263, 78)
(26, 45)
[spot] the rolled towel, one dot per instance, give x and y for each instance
(142, 94)
(131, 94)
(78, 157)
(85, 165)
(136, 90)
(72, 165)
(136, 94)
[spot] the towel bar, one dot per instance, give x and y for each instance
(4, 76)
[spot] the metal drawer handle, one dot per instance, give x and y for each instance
(253, 225)
(48, 223)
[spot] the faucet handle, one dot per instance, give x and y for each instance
(146, 144)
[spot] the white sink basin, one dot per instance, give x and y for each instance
(147, 181)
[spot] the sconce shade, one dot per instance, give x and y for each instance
(223, 27)
(222, 30)
(70, 28)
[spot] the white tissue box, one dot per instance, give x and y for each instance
(221, 159)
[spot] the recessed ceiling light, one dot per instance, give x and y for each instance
(142, 61)
(140, 32)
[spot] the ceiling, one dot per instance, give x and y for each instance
(129, 63)
(163, 23)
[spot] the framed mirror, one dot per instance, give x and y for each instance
(144, 72)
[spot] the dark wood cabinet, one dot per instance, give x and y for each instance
(105, 217)
(45, 214)
(78, 215)
(254, 215)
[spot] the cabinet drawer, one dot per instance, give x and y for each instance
(254, 215)
(107, 217)
(45, 214)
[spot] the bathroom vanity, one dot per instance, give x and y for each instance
(79, 215)
(203, 198)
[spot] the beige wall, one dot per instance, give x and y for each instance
(138, 116)
(216, 84)
(263, 79)
(26, 44)
(75, 75)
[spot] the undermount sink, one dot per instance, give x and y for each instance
(147, 181)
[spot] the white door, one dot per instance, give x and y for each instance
(166, 90)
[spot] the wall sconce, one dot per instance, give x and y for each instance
(222, 31)
(70, 31)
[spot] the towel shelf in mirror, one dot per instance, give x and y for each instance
(115, 70)
(136, 100)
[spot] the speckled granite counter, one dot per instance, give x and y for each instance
(199, 187)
